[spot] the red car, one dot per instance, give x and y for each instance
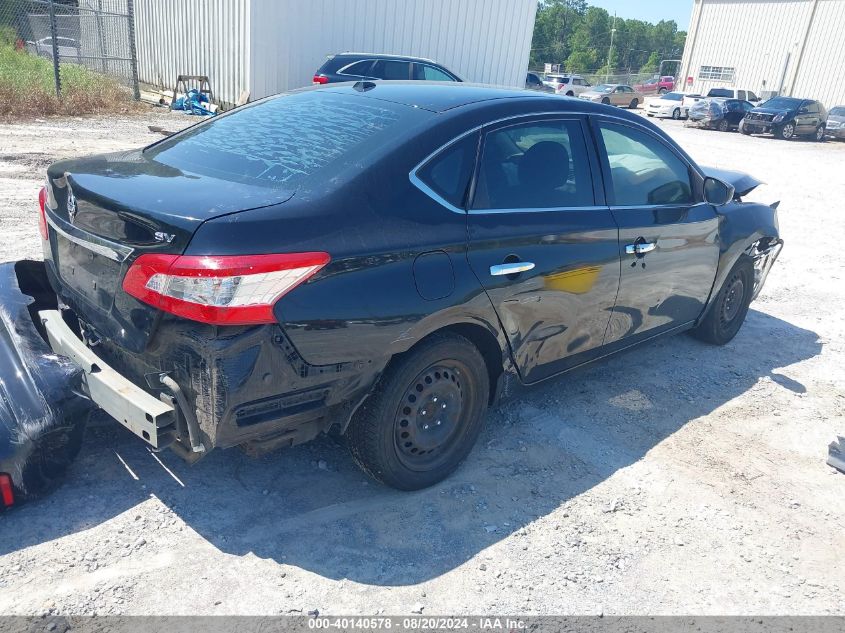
(660, 85)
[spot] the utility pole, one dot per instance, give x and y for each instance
(610, 52)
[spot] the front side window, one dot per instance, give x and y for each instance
(536, 165)
(448, 173)
(643, 171)
(423, 72)
(391, 70)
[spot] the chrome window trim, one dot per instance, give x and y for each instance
(112, 250)
(413, 175)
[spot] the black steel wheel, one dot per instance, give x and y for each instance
(424, 416)
(727, 312)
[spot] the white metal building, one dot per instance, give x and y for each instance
(268, 46)
(789, 47)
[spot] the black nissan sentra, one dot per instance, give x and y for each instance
(381, 261)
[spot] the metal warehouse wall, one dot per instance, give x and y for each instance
(202, 37)
(791, 46)
(485, 41)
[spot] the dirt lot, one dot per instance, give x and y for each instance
(684, 479)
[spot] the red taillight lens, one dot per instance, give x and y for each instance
(231, 290)
(320, 79)
(7, 493)
(42, 217)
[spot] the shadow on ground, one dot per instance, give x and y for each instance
(310, 507)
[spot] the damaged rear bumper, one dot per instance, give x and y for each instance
(42, 404)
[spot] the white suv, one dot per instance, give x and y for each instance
(567, 85)
(733, 93)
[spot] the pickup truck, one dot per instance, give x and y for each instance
(659, 85)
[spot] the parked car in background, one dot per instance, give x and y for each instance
(67, 48)
(614, 94)
(363, 66)
(690, 100)
(230, 311)
(733, 93)
(572, 86)
(718, 113)
(670, 104)
(786, 118)
(836, 123)
(534, 82)
(659, 85)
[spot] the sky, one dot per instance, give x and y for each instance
(649, 10)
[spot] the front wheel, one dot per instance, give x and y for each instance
(786, 132)
(819, 135)
(723, 125)
(662, 91)
(605, 101)
(676, 114)
(424, 416)
(727, 312)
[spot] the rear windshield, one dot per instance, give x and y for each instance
(282, 141)
(720, 92)
(784, 103)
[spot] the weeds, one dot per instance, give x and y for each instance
(27, 88)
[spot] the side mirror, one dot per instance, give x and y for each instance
(716, 192)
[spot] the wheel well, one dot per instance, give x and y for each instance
(483, 340)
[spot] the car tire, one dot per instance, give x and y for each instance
(570, 94)
(662, 91)
(741, 129)
(50, 457)
(785, 132)
(605, 101)
(634, 104)
(424, 416)
(676, 114)
(723, 125)
(819, 134)
(726, 314)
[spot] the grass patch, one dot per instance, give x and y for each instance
(27, 88)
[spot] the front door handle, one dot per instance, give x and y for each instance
(640, 248)
(511, 268)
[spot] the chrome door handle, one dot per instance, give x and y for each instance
(512, 268)
(640, 248)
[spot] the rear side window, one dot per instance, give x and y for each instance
(537, 165)
(448, 173)
(282, 141)
(423, 72)
(362, 69)
(643, 170)
(391, 70)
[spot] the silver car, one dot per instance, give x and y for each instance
(835, 127)
(614, 94)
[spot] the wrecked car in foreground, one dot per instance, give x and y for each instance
(378, 261)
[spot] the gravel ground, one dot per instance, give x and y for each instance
(685, 479)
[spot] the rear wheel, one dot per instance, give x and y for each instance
(728, 310)
(605, 101)
(676, 114)
(819, 135)
(786, 132)
(662, 91)
(633, 105)
(424, 416)
(723, 125)
(52, 454)
(570, 94)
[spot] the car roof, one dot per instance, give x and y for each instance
(409, 58)
(440, 96)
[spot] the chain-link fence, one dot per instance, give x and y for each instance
(617, 76)
(95, 34)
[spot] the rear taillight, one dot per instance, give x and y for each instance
(42, 213)
(7, 493)
(320, 79)
(231, 290)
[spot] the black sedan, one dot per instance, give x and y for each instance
(383, 262)
(718, 113)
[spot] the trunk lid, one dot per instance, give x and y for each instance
(105, 211)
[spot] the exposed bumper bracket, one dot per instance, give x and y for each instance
(142, 413)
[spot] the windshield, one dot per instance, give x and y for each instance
(604, 88)
(281, 141)
(673, 96)
(558, 79)
(838, 111)
(782, 103)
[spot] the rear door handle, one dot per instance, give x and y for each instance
(512, 268)
(640, 248)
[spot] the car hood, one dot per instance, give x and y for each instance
(742, 183)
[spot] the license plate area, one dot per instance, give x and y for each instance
(90, 274)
